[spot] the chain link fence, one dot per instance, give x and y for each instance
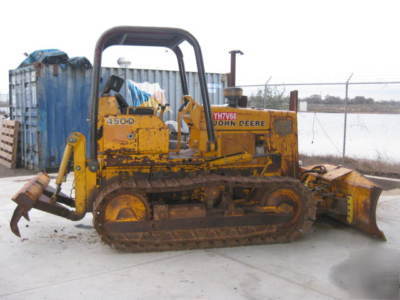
(344, 119)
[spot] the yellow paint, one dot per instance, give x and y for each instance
(283, 208)
(347, 196)
(85, 181)
(280, 196)
(64, 164)
(350, 209)
(189, 105)
(230, 120)
(135, 134)
(126, 208)
(108, 106)
(230, 160)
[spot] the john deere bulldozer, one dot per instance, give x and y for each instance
(235, 181)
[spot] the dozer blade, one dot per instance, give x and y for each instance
(346, 196)
(37, 194)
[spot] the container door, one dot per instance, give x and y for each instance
(24, 108)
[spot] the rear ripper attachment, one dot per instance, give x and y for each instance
(345, 195)
(38, 194)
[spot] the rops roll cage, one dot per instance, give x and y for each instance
(147, 36)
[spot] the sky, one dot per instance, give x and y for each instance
(289, 41)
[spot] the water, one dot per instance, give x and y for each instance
(372, 136)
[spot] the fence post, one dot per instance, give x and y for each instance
(294, 101)
(346, 98)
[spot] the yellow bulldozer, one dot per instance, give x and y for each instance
(235, 181)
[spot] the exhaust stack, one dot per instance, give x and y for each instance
(233, 94)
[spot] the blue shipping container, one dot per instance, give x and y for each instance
(51, 101)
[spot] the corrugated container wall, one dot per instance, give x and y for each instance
(51, 101)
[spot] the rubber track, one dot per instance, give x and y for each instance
(202, 237)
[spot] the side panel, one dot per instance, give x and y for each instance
(284, 140)
(138, 134)
(262, 133)
(231, 143)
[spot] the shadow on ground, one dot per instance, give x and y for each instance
(370, 274)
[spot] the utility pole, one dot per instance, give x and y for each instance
(346, 99)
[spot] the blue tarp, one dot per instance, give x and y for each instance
(137, 95)
(80, 62)
(46, 56)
